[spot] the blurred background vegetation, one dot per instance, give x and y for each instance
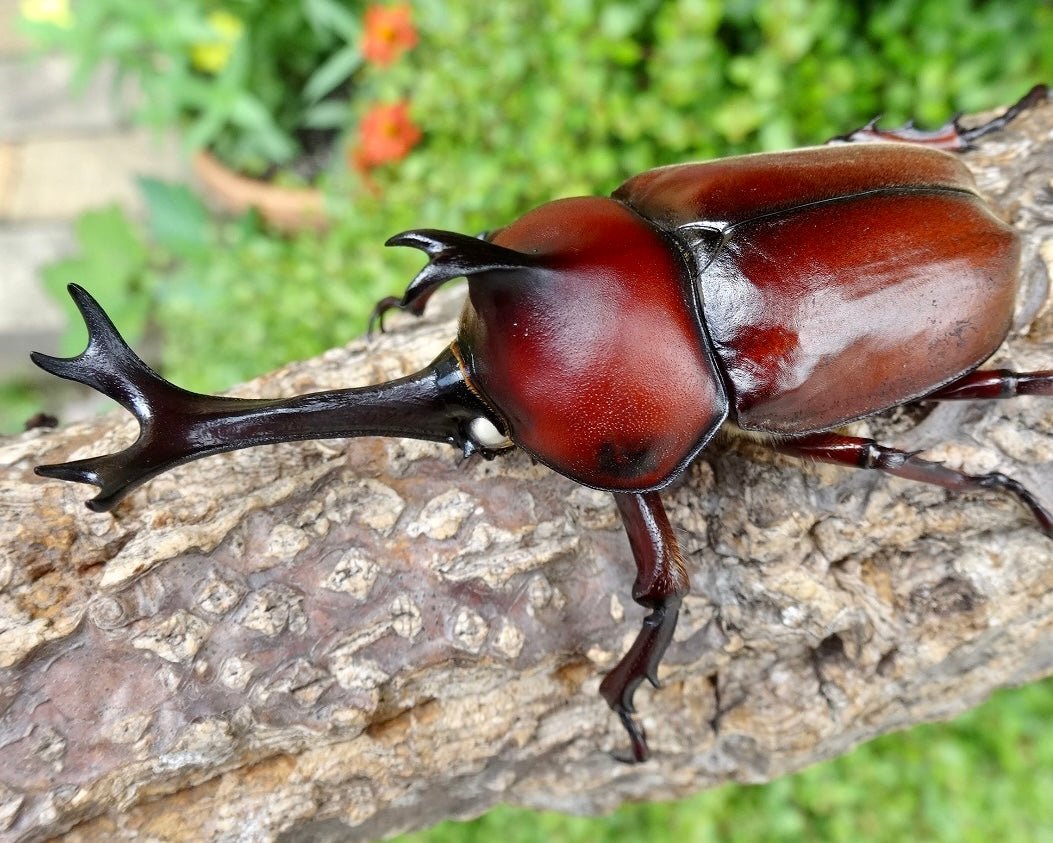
(462, 115)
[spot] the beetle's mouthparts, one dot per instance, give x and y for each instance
(177, 426)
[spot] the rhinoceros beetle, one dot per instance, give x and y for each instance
(780, 294)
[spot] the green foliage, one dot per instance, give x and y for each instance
(243, 77)
(19, 401)
(523, 102)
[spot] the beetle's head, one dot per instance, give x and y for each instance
(581, 342)
(583, 337)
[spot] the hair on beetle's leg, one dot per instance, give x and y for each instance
(661, 583)
(994, 383)
(866, 453)
(950, 136)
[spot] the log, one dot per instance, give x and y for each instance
(354, 638)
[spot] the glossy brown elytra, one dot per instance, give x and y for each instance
(784, 293)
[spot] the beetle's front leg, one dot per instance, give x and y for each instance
(661, 583)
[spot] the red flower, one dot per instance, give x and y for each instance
(389, 32)
(386, 134)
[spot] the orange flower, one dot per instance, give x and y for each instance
(389, 32)
(386, 134)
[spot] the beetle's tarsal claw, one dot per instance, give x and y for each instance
(376, 318)
(1036, 95)
(637, 740)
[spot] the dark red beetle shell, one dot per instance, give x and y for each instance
(806, 288)
(594, 355)
(838, 281)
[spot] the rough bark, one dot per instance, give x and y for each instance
(346, 639)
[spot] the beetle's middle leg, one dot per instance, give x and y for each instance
(866, 453)
(661, 583)
(950, 136)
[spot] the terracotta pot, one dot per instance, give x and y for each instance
(283, 208)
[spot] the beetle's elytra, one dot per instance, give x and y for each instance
(784, 293)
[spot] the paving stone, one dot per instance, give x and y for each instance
(37, 100)
(7, 176)
(62, 177)
(11, 40)
(29, 319)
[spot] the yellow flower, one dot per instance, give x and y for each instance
(212, 56)
(55, 12)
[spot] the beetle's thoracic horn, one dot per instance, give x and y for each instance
(452, 256)
(177, 426)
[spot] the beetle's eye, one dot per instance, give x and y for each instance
(486, 434)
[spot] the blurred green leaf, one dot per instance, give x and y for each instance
(331, 114)
(329, 14)
(178, 220)
(332, 73)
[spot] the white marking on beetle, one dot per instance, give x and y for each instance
(485, 433)
(617, 609)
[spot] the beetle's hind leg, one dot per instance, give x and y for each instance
(661, 583)
(950, 136)
(866, 453)
(995, 383)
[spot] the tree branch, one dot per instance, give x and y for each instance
(354, 638)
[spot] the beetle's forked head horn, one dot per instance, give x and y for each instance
(176, 426)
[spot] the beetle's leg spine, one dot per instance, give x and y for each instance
(866, 453)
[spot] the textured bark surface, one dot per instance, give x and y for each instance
(346, 639)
